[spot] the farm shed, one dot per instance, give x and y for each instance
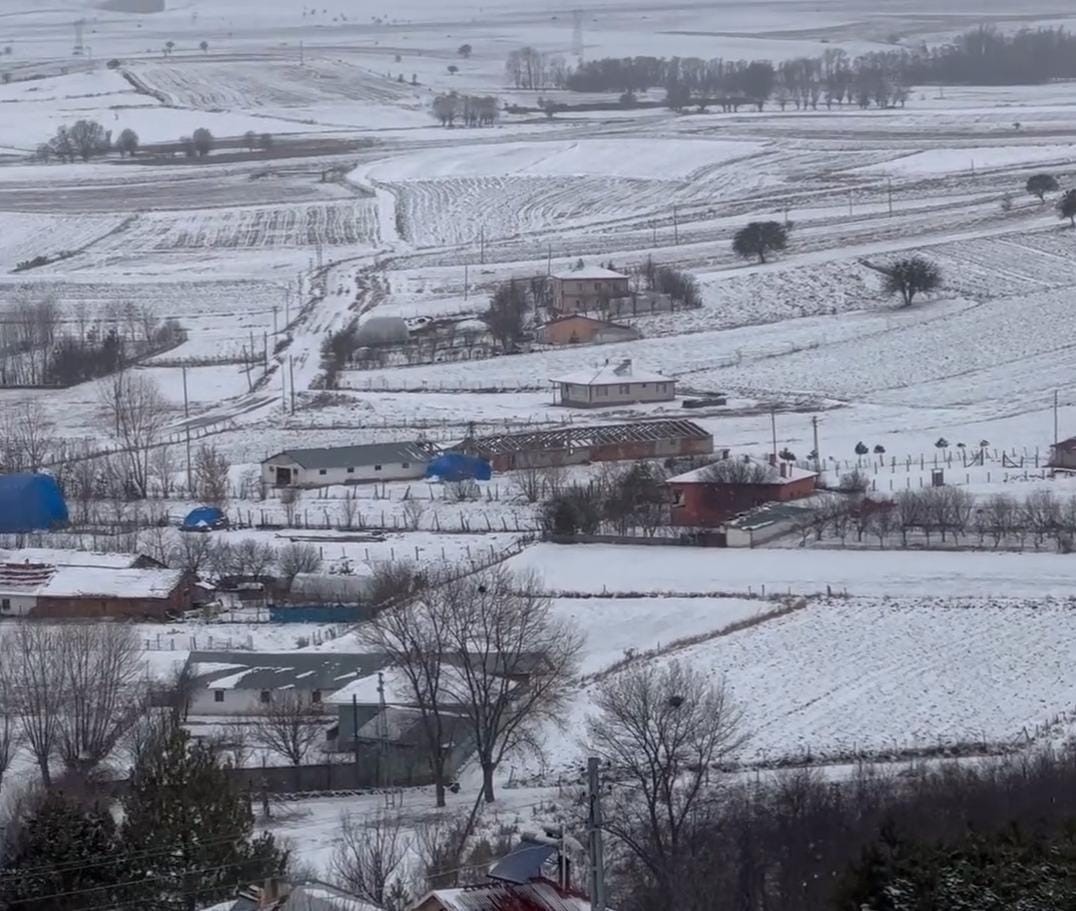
(46, 590)
(538, 894)
(759, 526)
(58, 557)
(613, 384)
(702, 500)
(587, 288)
(576, 444)
(382, 330)
(584, 330)
(400, 461)
(1063, 454)
(639, 303)
(30, 502)
(243, 683)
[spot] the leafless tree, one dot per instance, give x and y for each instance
(1041, 514)
(100, 664)
(211, 469)
(138, 414)
(30, 663)
(193, 552)
(413, 510)
(294, 558)
(530, 482)
(251, 558)
(29, 441)
(289, 499)
(882, 523)
(517, 661)
(741, 471)
(910, 513)
(234, 742)
(661, 730)
(348, 507)
(414, 634)
(290, 725)
(11, 733)
(162, 469)
(369, 856)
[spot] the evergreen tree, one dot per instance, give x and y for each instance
(63, 857)
(189, 832)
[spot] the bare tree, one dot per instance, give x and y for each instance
(30, 664)
(211, 469)
(414, 634)
(413, 511)
(11, 733)
(193, 552)
(661, 730)
(251, 558)
(162, 469)
(290, 726)
(530, 482)
(100, 664)
(293, 559)
(369, 856)
(741, 471)
(138, 413)
(517, 661)
(910, 513)
(29, 441)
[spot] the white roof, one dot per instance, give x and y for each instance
(58, 557)
(398, 689)
(493, 895)
(96, 581)
(588, 272)
(700, 475)
(612, 374)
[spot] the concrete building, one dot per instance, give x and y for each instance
(45, 590)
(578, 444)
(578, 329)
(245, 683)
(709, 497)
(762, 525)
(400, 461)
(588, 288)
(638, 303)
(613, 384)
(55, 556)
(1063, 454)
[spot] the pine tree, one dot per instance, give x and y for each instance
(188, 830)
(64, 856)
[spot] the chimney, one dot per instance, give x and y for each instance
(773, 459)
(784, 469)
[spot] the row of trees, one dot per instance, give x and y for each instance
(469, 110)
(45, 343)
(86, 139)
(619, 500)
(951, 513)
(980, 56)
(1041, 184)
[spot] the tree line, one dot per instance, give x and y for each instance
(469, 110)
(982, 56)
(87, 139)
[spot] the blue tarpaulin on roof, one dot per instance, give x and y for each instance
(30, 502)
(454, 466)
(203, 518)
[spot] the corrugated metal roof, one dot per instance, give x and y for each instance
(354, 456)
(580, 436)
(328, 671)
(539, 895)
(612, 374)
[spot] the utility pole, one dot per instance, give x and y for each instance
(466, 280)
(302, 55)
(482, 244)
(276, 307)
(549, 260)
(889, 190)
(190, 476)
(773, 430)
(291, 380)
(382, 733)
(186, 402)
(676, 228)
(594, 841)
(1055, 418)
(355, 731)
(817, 454)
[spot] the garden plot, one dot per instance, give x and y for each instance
(345, 223)
(25, 236)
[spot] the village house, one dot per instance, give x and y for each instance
(613, 384)
(587, 289)
(246, 683)
(708, 497)
(402, 461)
(56, 556)
(579, 444)
(29, 589)
(578, 329)
(1063, 454)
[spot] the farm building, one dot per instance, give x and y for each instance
(638, 303)
(58, 557)
(587, 288)
(613, 384)
(575, 445)
(762, 525)
(536, 894)
(1063, 454)
(348, 464)
(578, 329)
(710, 496)
(47, 590)
(244, 683)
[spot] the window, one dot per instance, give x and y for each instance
(377, 468)
(5, 604)
(265, 697)
(315, 697)
(406, 465)
(351, 471)
(218, 695)
(322, 471)
(625, 389)
(603, 390)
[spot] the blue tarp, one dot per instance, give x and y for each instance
(454, 466)
(316, 613)
(203, 518)
(30, 502)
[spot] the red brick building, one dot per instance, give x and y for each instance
(705, 498)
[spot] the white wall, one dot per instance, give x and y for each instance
(19, 605)
(305, 477)
(637, 392)
(237, 701)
